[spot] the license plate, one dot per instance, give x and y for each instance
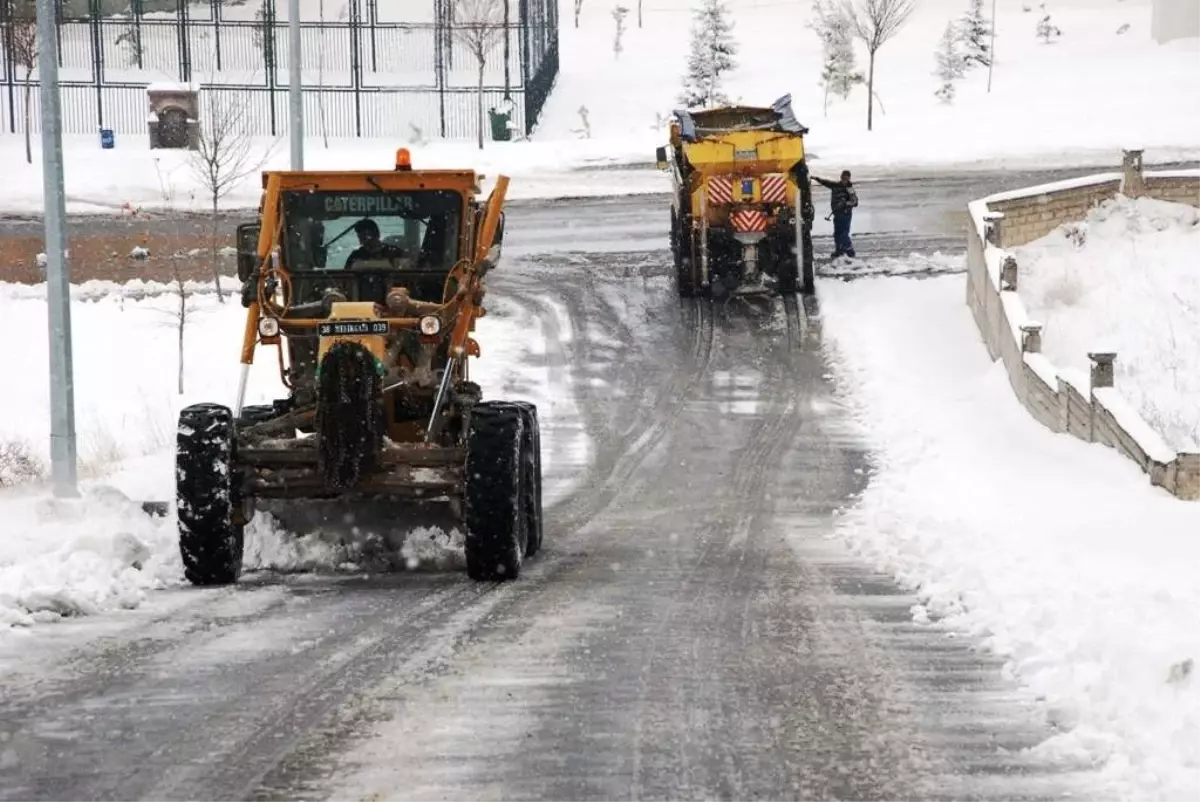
(745, 155)
(352, 328)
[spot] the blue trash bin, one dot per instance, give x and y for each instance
(107, 141)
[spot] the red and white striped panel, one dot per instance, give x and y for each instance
(774, 188)
(749, 221)
(720, 189)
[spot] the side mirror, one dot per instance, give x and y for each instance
(247, 250)
(660, 156)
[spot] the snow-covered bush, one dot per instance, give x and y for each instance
(18, 464)
(711, 56)
(1047, 31)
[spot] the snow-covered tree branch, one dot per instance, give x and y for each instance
(711, 56)
(974, 31)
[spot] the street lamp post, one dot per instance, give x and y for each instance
(58, 278)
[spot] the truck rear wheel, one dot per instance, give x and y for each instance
(685, 285)
(531, 467)
(496, 538)
(206, 495)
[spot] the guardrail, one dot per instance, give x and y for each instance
(1088, 407)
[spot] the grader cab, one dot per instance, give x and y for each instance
(368, 285)
(741, 209)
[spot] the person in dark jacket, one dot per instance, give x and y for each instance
(842, 202)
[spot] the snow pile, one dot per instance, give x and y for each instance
(80, 556)
(1126, 279)
(1056, 552)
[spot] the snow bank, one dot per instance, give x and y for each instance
(79, 556)
(1126, 279)
(102, 552)
(1049, 549)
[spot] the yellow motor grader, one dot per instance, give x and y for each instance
(742, 207)
(368, 284)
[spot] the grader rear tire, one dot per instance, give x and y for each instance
(206, 496)
(496, 538)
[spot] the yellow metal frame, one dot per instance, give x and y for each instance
(462, 308)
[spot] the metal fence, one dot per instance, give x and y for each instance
(362, 76)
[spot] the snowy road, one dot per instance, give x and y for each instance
(690, 630)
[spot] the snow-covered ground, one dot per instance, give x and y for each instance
(1126, 279)
(101, 552)
(1056, 552)
(1040, 110)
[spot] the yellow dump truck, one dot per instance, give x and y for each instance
(741, 209)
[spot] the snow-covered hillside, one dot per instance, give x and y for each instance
(1096, 88)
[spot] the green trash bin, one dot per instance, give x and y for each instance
(500, 129)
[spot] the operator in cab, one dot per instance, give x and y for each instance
(370, 244)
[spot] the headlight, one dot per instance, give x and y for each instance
(268, 327)
(431, 325)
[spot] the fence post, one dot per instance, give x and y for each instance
(10, 64)
(268, 40)
(356, 63)
(185, 45)
(1008, 274)
(215, 13)
(1102, 368)
(1031, 338)
(527, 76)
(993, 231)
(440, 34)
(372, 20)
(1133, 185)
(97, 58)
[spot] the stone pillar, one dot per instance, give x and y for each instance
(1133, 184)
(1102, 368)
(994, 235)
(1031, 338)
(1008, 274)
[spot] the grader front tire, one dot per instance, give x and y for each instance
(496, 538)
(206, 495)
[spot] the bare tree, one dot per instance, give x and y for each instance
(875, 22)
(479, 26)
(22, 29)
(618, 14)
(224, 156)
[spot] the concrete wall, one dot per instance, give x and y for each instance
(1174, 19)
(1087, 407)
